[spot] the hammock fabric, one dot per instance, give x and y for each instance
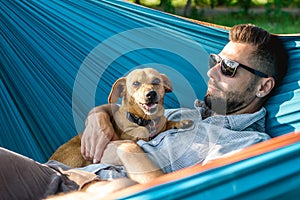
(60, 58)
(255, 172)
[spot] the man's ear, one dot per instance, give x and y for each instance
(265, 87)
(118, 90)
(167, 83)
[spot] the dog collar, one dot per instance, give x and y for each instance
(138, 120)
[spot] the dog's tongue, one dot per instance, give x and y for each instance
(150, 106)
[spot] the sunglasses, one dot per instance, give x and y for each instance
(229, 67)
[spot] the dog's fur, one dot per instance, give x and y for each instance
(140, 116)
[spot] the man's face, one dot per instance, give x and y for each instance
(227, 95)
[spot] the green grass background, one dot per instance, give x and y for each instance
(283, 21)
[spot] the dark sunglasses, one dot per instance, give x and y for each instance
(229, 67)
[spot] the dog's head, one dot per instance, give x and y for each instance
(141, 89)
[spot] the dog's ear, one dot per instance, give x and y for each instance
(167, 83)
(117, 90)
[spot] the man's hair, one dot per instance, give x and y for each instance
(269, 57)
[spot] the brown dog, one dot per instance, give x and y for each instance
(140, 116)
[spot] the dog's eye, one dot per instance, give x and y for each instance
(136, 83)
(156, 81)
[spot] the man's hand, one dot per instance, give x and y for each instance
(98, 133)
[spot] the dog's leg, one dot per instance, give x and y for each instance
(136, 133)
(179, 124)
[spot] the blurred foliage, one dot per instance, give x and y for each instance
(212, 3)
(273, 15)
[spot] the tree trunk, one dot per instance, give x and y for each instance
(187, 8)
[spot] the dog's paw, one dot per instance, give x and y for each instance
(186, 123)
(183, 124)
(135, 134)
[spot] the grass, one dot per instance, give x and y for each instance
(280, 23)
(283, 22)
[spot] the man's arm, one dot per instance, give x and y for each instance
(137, 163)
(98, 132)
(97, 135)
(138, 166)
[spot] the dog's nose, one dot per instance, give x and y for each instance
(151, 95)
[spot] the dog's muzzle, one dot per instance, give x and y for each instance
(151, 102)
(151, 96)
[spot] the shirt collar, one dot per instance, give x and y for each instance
(242, 121)
(239, 122)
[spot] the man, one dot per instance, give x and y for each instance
(241, 78)
(232, 117)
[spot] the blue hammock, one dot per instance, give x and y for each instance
(60, 58)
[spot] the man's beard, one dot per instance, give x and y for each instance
(231, 101)
(224, 106)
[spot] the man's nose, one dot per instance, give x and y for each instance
(214, 72)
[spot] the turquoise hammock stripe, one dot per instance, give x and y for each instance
(60, 58)
(48, 48)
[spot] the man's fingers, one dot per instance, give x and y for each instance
(98, 153)
(93, 143)
(102, 142)
(82, 146)
(85, 144)
(92, 148)
(97, 134)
